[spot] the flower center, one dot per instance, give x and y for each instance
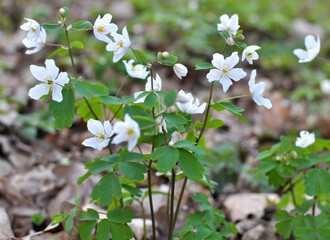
(120, 44)
(130, 132)
(249, 55)
(225, 68)
(101, 28)
(33, 30)
(48, 81)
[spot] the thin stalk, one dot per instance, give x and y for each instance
(240, 96)
(179, 201)
(75, 71)
(172, 206)
(323, 59)
(151, 203)
(113, 117)
(168, 207)
(121, 86)
(144, 221)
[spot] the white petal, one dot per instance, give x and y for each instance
(108, 129)
(213, 75)
(101, 36)
(252, 80)
(232, 60)
(218, 60)
(131, 144)
(125, 33)
(244, 54)
(301, 54)
(224, 19)
(62, 78)
(111, 46)
(259, 88)
(310, 41)
(119, 55)
(32, 51)
(95, 127)
(38, 91)
(236, 74)
(111, 28)
(226, 83)
(51, 68)
(107, 18)
(40, 73)
(103, 144)
(57, 93)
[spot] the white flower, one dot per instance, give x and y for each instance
(120, 46)
(176, 136)
(102, 133)
(225, 70)
(36, 44)
(325, 86)
(305, 139)
(180, 70)
(51, 80)
(312, 49)
(127, 131)
(257, 91)
(230, 25)
(32, 28)
(161, 123)
(250, 53)
(136, 71)
(157, 86)
(186, 104)
(102, 26)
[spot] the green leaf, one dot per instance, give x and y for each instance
(131, 156)
(176, 120)
(100, 165)
(165, 163)
(120, 231)
(81, 26)
(107, 189)
(240, 45)
(69, 223)
(51, 26)
(60, 51)
(77, 44)
(282, 215)
(263, 155)
(81, 179)
(170, 98)
(85, 230)
(135, 192)
(150, 100)
(63, 112)
(121, 215)
(214, 123)
(202, 66)
(188, 145)
(91, 214)
(87, 89)
(103, 230)
(306, 233)
(321, 220)
(140, 56)
(304, 207)
(285, 143)
(84, 111)
(323, 233)
(190, 165)
(275, 179)
(284, 229)
(224, 34)
(110, 100)
(132, 170)
(220, 106)
(266, 166)
(202, 200)
(316, 180)
(170, 61)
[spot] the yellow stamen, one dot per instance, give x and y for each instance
(130, 131)
(101, 28)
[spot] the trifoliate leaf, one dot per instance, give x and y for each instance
(107, 189)
(190, 165)
(220, 106)
(150, 100)
(304, 233)
(188, 145)
(170, 98)
(121, 215)
(135, 192)
(316, 180)
(133, 170)
(91, 214)
(84, 111)
(165, 163)
(63, 112)
(240, 45)
(169, 61)
(120, 231)
(85, 230)
(140, 56)
(131, 156)
(87, 89)
(103, 230)
(202, 200)
(103, 164)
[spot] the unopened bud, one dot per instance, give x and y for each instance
(294, 154)
(171, 144)
(62, 11)
(172, 109)
(230, 41)
(165, 55)
(69, 27)
(149, 65)
(60, 23)
(240, 36)
(159, 121)
(278, 158)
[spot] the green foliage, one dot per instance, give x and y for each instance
(87, 89)
(85, 113)
(169, 61)
(81, 26)
(220, 106)
(165, 163)
(63, 112)
(51, 26)
(170, 98)
(60, 51)
(37, 219)
(190, 165)
(202, 66)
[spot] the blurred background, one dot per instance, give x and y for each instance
(39, 166)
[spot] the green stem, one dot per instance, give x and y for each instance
(75, 71)
(323, 59)
(179, 201)
(121, 86)
(171, 227)
(150, 202)
(144, 221)
(113, 117)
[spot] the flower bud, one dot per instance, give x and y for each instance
(172, 109)
(230, 41)
(294, 154)
(69, 27)
(180, 70)
(60, 23)
(165, 55)
(278, 158)
(61, 11)
(240, 36)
